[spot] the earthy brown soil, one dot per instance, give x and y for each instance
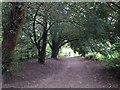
(69, 72)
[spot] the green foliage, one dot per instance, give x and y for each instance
(94, 24)
(98, 31)
(113, 56)
(96, 55)
(113, 61)
(16, 62)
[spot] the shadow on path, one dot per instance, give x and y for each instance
(70, 72)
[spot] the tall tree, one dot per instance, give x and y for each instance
(45, 19)
(12, 24)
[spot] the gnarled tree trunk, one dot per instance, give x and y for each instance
(55, 52)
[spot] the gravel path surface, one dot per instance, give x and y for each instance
(71, 72)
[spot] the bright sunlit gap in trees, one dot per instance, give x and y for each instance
(67, 51)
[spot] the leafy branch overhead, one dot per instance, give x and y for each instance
(40, 29)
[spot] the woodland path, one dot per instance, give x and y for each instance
(68, 72)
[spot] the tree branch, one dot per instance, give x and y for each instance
(40, 23)
(62, 40)
(112, 8)
(115, 5)
(67, 42)
(38, 42)
(50, 44)
(34, 19)
(51, 26)
(56, 22)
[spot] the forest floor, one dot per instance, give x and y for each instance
(66, 72)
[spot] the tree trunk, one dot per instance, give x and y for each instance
(55, 52)
(56, 45)
(12, 29)
(28, 56)
(55, 49)
(42, 52)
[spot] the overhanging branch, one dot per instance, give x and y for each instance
(67, 42)
(62, 21)
(40, 23)
(51, 26)
(115, 5)
(112, 8)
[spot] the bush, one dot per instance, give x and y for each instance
(16, 61)
(112, 56)
(95, 56)
(113, 62)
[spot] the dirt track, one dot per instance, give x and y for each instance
(72, 72)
